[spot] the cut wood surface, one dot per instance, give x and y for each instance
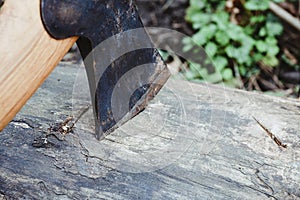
(27, 55)
(194, 141)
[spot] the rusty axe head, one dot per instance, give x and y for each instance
(116, 24)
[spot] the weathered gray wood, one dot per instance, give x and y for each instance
(194, 141)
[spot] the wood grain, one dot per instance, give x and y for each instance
(194, 141)
(27, 55)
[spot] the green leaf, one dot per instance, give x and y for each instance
(199, 38)
(241, 54)
(249, 62)
(257, 19)
(190, 12)
(198, 25)
(231, 51)
(271, 41)
(227, 74)
(211, 49)
(194, 71)
(220, 62)
(276, 94)
(234, 31)
(244, 59)
(247, 42)
(257, 57)
(280, 1)
(195, 67)
(203, 73)
(257, 4)
(242, 70)
(261, 46)
(164, 54)
(187, 47)
(221, 19)
(213, 78)
(187, 40)
(205, 34)
(233, 83)
(200, 19)
(271, 61)
(190, 75)
(209, 31)
(222, 38)
(273, 50)
(188, 44)
(274, 28)
(249, 30)
(262, 32)
(198, 4)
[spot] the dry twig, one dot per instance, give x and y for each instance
(280, 12)
(276, 140)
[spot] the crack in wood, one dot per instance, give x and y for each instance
(43, 187)
(262, 192)
(87, 156)
(264, 183)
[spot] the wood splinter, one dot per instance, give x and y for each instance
(274, 138)
(67, 126)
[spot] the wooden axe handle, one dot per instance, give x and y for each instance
(27, 55)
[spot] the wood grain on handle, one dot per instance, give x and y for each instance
(27, 55)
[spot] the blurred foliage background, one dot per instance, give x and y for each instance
(248, 44)
(241, 38)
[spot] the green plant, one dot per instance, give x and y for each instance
(236, 37)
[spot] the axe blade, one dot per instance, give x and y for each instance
(124, 69)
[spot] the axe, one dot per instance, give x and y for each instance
(36, 34)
